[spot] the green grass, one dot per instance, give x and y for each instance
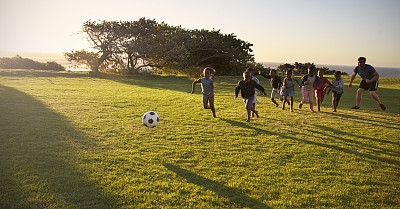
(74, 140)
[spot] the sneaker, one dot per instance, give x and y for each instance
(355, 107)
(382, 106)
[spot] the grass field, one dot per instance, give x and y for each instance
(75, 140)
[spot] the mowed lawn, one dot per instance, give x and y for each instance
(76, 140)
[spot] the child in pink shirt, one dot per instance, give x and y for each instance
(320, 90)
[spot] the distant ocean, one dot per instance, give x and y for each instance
(383, 71)
(59, 58)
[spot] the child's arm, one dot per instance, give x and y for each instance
(237, 89)
(259, 87)
(263, 75)
(212, 87)
(329, 84)
(194, 85)
(304, 80)
(297, 82)
(284, 83)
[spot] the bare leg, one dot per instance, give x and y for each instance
(359, 96)
(248, 115)
(254, 107)
(276, 103)
(310, 100)
(205, 104)
(284, 101)
(291, 104)
(375, 96)
(212, 107)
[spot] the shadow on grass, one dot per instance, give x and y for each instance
(341, 136)
(230, 193)
(167, 82)
(375, 120)
(315, 143)
(38, 167)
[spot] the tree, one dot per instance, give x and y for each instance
(303, 68)
(191, 50)
(103, 37)
(283, 68)
(131, 46)
(82, 57)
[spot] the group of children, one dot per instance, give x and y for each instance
(310, 83)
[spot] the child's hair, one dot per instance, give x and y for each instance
(251, 70)
(290, 71)
(246, 72)
(321, 69)
(273, 70)
(211, 70)
(338, 73)
(311, 69)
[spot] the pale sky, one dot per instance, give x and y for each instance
(333, 32)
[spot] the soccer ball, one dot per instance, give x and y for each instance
(150, 119)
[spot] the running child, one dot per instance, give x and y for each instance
(207, 86)
(276, 84)
(337, 89)
(251, 70)
(308, 82)
(246, 88)
(288, 89)
(320, 90)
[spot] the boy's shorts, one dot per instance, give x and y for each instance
(249, 102)
(373, 86)
(275, 92)
(208, 97)
(287, 92)
(336, 96)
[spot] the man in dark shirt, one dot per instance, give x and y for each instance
(246, 88)
(276, 84)
(369, 82)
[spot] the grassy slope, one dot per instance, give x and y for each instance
(76, 141)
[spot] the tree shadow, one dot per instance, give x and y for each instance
(367, 121)
(222, 190)
(38, 166)
(341, 136)
(162, 82)
(315, 143)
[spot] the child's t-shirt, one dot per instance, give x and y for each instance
(206, 85)
(289, 83)
(337, 86)
(322, 82)
(309, 85)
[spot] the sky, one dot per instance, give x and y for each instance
(286, 31)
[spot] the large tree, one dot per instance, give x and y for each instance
(132, 46)
(103, 37)
(191, 50)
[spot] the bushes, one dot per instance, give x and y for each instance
(18, 62)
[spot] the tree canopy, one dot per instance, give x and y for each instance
(134, 46)
(302, 68)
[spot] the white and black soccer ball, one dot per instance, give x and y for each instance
(150, 119)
